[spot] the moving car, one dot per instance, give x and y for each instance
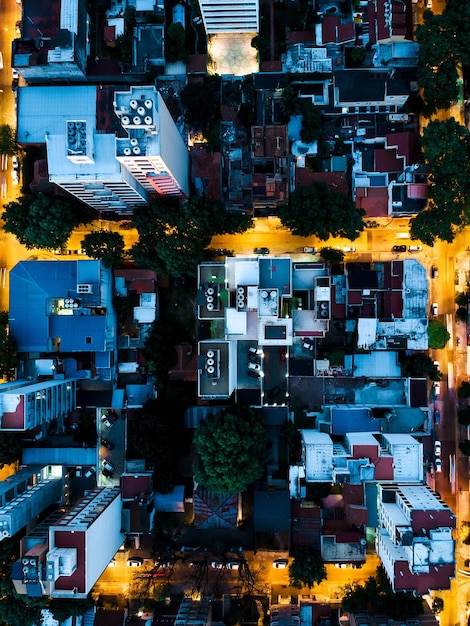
(399, 249)
(437, 449)
(280, 563)
(261, 251)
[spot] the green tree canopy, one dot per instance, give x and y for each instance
(201, 102)
(175, 43)
(464, 417)
(10, 448)
(174, 235)
(307, 568)
(311, 121)
(230, 446)
(332, 255)
(376, 596)
(463, 390)
(63, 609)
(317, 210)
(420, 364)
(461, 299)
(446, 147)
(464, 447)
(8, 143)
(105, 245)
(8, 360)
(437, 335)
(42, 221)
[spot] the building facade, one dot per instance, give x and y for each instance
(225, 16)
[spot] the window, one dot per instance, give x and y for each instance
(88, 340)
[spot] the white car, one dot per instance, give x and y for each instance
(135, 561)
(349, 249)
(434, 309)
(106, 421)
(256, 367)
(217, 564)
(438, 465)
(15, 162)
(14, 177)
(310, 250)
(108, 466)
(437, 449)
(15, 74)
(280, 563)
(233, 565)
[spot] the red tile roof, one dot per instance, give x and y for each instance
(15, 419)
(135, 485)
(72, 539)
(302, 36)
(333, 31)
(374, 201)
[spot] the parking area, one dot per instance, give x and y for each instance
(111, 433)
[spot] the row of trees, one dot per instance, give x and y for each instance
(446, 147)
(444, 43)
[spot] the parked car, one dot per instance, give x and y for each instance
(107, 444)
(253, 358)
(135, 561)
(308, 345)
(255, 350)
(434, 272)
(310, 250)
(253, 374)
(349, 249)
(437, 388)
(112, 415)
(415, 248)
(106, 421)
(107, 465)
(14, 177)
(78, 471)
(15, 162)
(256, 367)
(233, 565)
(14, 74)
(437, 449)
(399, 249)
(437, 416)
(112, 563)
(217, 564)
(438, 465)
(90, 473)
(106, 473)
(283, 354)
(261, 251)
(435, 309)
(280, 563)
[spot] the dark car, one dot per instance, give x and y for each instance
(275, 391)
(254, 374)
(261, 251)
(399, 249)
(437, 416)
(111, 415)
(107, 444)
(254, 359)
(106, 473)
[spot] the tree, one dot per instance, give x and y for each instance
(174, 235)
(355, 56)
(105, 245)
(201, 102)
(461, 314)
(437, 605)
(311, 121)
(175, 43)
(376, 596)
(461, 299)
(8, 360)
(332, 255)
(230, 447)
(463, 390)
(8, 143)
(10, 448)
(464, 447)
(63, 609)
(420, 364)
(464, 417)
(317, 210)
(42, 221)
(307, 568)
(437, 335)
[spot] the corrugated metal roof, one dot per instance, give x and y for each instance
(60, 456)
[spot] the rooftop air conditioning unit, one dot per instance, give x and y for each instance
(141, 110)
(134, 141)
(134, 104)
(210, 306)
(127, 151)
(125, 120)
(148, 104)
(148, 120)
(136, 150)
(136, 119)
(84, 288)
